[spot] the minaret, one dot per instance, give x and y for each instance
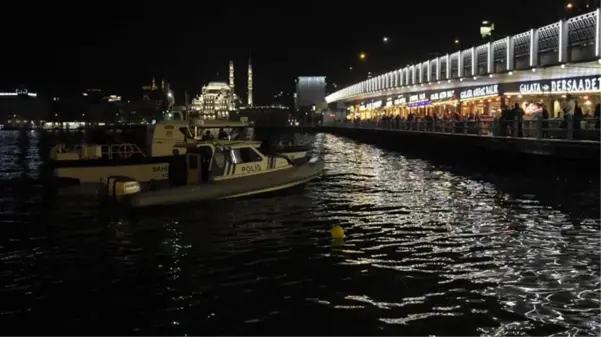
(232, 76)
(250, 84)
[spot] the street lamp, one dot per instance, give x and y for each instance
(385, 39)
(458, 43)
(362, 56)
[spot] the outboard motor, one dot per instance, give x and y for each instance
(119, 188)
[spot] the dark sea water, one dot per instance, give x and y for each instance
(430, 249)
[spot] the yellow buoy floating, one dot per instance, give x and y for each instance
(337, 232)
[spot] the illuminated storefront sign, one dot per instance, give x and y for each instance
(442, 95)
(374, 105)
(417, 98)
(567, 85)
(534, 88)
(480, 91)
(419, 104)
(400, 101)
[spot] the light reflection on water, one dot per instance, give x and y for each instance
(427, 251)
(19, 154)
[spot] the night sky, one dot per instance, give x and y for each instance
(120, 46)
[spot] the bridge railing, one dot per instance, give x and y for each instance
(586, 129)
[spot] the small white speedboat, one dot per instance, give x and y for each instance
(217, 171)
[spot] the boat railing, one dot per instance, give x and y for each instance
(121, 151)
(90, 151)
(585, 129)
(64, 148)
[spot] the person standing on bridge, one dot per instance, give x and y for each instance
(517, 115)
(568, 107)
(577, 119)
(544, 121)
(505, 123)
(597, 116)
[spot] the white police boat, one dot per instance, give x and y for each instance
(216, 171)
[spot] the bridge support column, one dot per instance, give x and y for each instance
(597, 32)
(562, 56)
(459, 64)
(490, 58)
(509, 62)
(533, 47)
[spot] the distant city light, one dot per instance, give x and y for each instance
(486, 29)
(19, 92)
(385, 39)
(362, 56)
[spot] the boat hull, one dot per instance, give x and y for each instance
(231, 188)
(139, 169)
(95, 171)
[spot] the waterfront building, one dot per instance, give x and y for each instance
(22, 108)
(214, 102)
(542, 65)
(310, 93)
(152, 105)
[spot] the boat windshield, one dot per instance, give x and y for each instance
(187, 133)
(242, 133)
(222, 133)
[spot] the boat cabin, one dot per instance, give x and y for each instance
(167, 138)
(222, 130)
(208, 162)
(177, 137)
